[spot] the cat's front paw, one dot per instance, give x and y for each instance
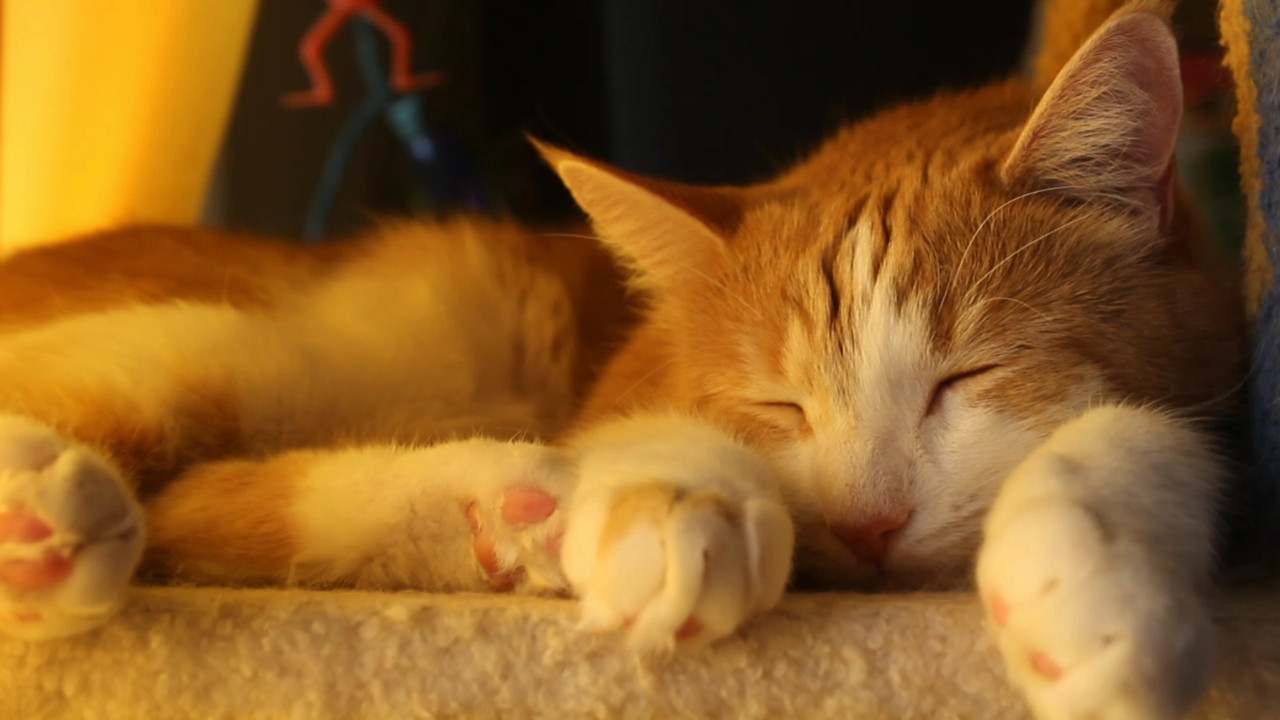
(70, 534)
(516, 539)
(512, 496)
(1090, 625)
(677, 540)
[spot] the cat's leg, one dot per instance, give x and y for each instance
(677, 532)
(1095, 562)
(92, 408)
(475, 514)
(70, 533)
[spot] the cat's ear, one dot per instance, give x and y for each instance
(666, 230)
(1108, 123)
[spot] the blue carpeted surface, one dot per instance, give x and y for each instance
(1264, 41)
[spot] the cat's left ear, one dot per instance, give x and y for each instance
(669, 232)
(1107, 126)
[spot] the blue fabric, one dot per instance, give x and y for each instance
(1264, 41)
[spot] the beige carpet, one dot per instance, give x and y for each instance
(214, 653)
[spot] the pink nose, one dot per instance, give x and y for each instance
(870, 540)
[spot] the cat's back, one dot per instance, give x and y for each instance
(510, 290)
(155, 264)
(413, 321)
(147, 265)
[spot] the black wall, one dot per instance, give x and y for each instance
(698, 90)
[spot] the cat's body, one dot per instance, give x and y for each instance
(414, 335)
(949, 315)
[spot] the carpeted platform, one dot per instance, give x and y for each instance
(178, 653)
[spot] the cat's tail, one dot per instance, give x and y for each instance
(1064, 25)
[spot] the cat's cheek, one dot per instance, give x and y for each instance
(960, 464)
(800, 474)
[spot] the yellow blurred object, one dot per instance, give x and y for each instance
(112, 112)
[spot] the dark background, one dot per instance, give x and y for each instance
(717, 91)
(713, 91)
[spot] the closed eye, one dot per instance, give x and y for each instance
(789, 412)
(950, 383)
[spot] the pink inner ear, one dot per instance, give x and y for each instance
(1109, 123)
(659, 227)
(1150, 59)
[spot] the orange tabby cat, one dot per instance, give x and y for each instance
(955, 332)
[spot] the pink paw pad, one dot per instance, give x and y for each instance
(999, 610)
(35, 574)
(527, 505)
(26, 574)
(520, 506)
(690, 628)
(1045, 666)
(20, 616)
(21, 527)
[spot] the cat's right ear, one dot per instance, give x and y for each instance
(668, 232)
(1107, 125)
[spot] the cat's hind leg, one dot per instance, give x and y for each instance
(70, 534)
(468, 515)
(93, 408)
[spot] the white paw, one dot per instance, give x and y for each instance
(676, 537)
(516, 519)
(70, 534)
(1089, 624)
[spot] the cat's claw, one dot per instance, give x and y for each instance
(70, 534)
(1086, 624)
(517, 541)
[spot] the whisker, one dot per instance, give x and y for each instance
(978, 306)
(1024, 247)
(741, 300)
(1254, 364)
(596, 238)
(637, 383)
(969, 246)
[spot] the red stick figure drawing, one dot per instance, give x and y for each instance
(321, 32)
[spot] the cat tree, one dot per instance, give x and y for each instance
(275, 654)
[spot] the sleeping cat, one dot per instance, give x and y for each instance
(957, 336)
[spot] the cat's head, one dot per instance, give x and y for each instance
(900, 318)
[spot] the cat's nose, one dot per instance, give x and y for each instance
(870, 540)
